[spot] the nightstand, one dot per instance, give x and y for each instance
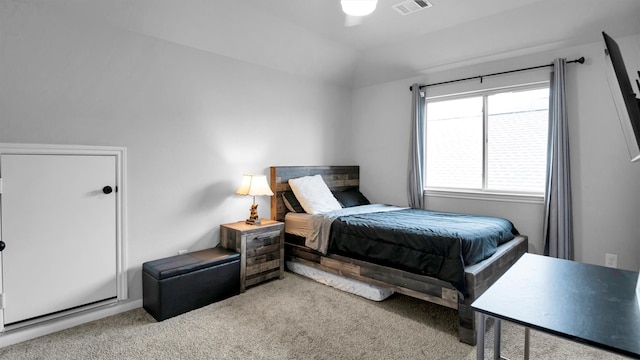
(261, 249)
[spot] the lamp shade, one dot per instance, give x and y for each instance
(358, 7)
(254, 185)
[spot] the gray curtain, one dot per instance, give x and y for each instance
(415, 181)
(558, 219)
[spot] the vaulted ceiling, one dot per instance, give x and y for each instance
(308, 37)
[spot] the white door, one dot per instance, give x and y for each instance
(59, 228)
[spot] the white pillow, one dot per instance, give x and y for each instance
(314, 194)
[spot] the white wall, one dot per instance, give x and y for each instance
(606, 186)
(193, 121)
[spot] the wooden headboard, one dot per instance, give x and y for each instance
(336, 177)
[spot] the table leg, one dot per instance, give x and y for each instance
(496, 339)
(480, 320)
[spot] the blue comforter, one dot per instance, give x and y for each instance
(436, 244)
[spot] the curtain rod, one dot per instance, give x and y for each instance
(580, 60)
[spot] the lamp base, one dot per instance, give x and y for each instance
(253, 216)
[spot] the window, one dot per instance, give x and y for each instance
(494, 141)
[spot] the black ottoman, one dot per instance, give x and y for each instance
(181, 283)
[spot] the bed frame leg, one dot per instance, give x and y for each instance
(467, 326)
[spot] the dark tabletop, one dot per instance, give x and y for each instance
(587, 303)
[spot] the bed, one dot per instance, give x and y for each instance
(455, 291)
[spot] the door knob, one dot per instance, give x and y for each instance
(2, 245)
(107, 189)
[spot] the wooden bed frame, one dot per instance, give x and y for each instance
(478, 277)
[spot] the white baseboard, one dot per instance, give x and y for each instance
(48, 327)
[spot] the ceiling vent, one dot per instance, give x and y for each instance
(410, 6)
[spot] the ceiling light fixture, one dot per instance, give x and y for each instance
(358, 7)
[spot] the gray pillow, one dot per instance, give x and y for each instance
(291, 202)
(351, 197)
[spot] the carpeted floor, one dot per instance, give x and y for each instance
(292, 318)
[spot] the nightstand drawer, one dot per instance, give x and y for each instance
(264, 258)
(263, 263)
(262, 243)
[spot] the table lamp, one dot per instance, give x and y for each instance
(254, 185)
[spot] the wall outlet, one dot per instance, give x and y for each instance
(611, 260)
(180, 252)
